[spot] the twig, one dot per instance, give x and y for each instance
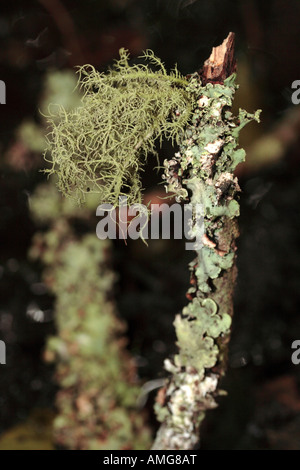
(205, 165)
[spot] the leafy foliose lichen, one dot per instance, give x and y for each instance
(196, 338)
(102, 145)
(202, 173)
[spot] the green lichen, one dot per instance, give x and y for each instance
(196, 338)
(207, 156)
(96, 375)
(102, 145)
(201, 172)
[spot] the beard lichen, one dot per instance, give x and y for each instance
(102, 145)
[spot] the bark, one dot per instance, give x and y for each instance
(201, 173)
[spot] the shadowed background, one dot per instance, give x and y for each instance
(40, 43)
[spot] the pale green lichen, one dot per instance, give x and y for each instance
(102, 145)
(196, 330)
(207, 156)
(96, 375)
(202, 173)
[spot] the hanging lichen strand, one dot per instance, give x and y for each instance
(101, 145)
(202, 173)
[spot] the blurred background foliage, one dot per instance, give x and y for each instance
(40, 43)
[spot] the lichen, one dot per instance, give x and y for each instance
(102, 145)
(96, 375)
(201, 172)
(196, 330)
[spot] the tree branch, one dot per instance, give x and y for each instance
(204, 170)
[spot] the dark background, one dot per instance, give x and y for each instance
(262, 410)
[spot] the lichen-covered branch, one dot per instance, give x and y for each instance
(101, 147)
(98, 388)
(202, 172)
